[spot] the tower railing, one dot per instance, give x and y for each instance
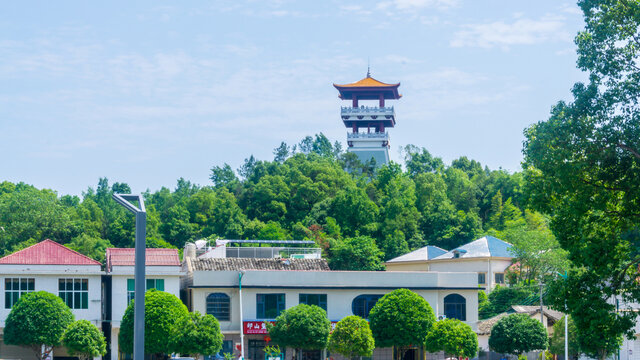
(364, 135)
(387, 110)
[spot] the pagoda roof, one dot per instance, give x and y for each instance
(368, 89)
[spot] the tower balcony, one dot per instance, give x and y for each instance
(368, 136)
(361, 116)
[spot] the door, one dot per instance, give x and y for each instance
(256, 351)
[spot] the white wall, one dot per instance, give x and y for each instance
(46, 279)
(477, 265)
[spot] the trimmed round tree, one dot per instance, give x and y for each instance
(84, 340)
(38, 320)
(352, 337)
(401, 319)
(453, 337)
(517, 334)
(198, 335)
(162, 313)
(301, 327)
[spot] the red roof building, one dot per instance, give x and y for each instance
(153, 257)
(48, 252)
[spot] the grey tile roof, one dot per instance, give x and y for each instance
(485, 326)
(236, 264)
(487, 246)
(425, 253)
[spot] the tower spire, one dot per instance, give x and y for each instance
(368, 68)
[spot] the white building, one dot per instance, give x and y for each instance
(488, 256)
(49, 266)
(272, 285)
(163, 271)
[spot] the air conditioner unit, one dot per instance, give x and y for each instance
(442, 317)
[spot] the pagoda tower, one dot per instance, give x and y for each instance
(374, 142)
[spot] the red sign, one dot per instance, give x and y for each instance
(260, 327)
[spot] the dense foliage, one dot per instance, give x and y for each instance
(304, 193)
(556, 341)
(583, 167)
(301, 327)
(197, 335)
(163, 312)
(401, 319)
(38, 321)
(518, 334)
(352, 338)
(84, 340)
(501, 299)
(453, 337)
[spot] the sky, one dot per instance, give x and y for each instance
(147, 92)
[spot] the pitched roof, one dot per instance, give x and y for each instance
(47, 252)
(236, 264)
(153, 257)
(487, 246)
(485, 326)
(425, 253)
(367, 82)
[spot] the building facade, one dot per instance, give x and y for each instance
(270, 286)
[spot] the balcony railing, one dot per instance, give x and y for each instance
(368, 110)
(375, 135)
(273, 252)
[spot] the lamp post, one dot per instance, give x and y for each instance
(566, 323)
(240, 275)
(140, 245)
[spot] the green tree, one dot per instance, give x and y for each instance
(38, 321)
(556, 342)
(162, 313)
(301, 327)
(502, 298)
(453, 337)
(582, 169)
(401, 319)
(93, 247)
(517, 334)
(358, 253)
(84, 340)
(352, 338)
(198, 335)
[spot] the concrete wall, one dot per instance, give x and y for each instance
(490, 267)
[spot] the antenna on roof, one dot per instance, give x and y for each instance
(368, 67)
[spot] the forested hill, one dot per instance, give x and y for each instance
(304, 193)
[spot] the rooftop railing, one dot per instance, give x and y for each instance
(273, 252)
(375, 135)
(364, 110)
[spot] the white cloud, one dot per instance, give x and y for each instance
(413, 4)
(520, 32)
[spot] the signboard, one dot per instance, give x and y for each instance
(259, 327)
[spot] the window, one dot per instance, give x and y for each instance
(499, 278)
(455, 307)
(16, 287)
(218, 305)
(74, 292)
(363, 304)
(314, 299)
(157, 284)
(482, 278)
(269, 306)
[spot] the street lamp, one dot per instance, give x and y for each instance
(140, 245)
(566, 322)
(240, 275)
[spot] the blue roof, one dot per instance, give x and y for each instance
(487, 246)
(426, 253)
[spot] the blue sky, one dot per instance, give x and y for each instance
(146, 92)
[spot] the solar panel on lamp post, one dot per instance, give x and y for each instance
(139, 270)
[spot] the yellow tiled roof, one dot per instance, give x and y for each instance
(367, 82)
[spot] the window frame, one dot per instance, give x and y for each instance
(11, 296)
(74, 292)
(320, 303)
(456, 308)
(226, 302)
(484, 276)
(495, 278)
(150, 283)
(261, 305)
(369, 301)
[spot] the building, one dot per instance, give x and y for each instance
(488, 256)
(374, 143)
(163, 272)
(549, 317)
(49, 266)
(270, 285)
